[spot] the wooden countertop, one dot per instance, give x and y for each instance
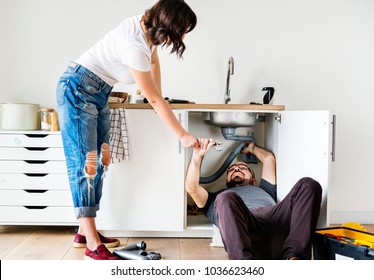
(203, 106)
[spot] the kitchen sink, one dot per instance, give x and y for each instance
(230, 119)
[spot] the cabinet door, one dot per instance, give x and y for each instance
(146, 193)
(304, 150)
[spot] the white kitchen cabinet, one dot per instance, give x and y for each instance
(146, 197)
(146, 194)
(302, 142)
(34, 187)
(304, 148)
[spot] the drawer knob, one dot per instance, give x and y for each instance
(35, 149)
(36, 174)
(36, 161)
(35, 191)
(35, 207)
(36, 135)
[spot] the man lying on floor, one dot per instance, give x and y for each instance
(251, 223)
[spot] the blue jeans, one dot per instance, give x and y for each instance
(84, 118)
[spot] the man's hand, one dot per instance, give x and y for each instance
(248, 149)
(203, 147)
(197, 192)
(266, 158)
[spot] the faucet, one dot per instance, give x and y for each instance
(230, 71)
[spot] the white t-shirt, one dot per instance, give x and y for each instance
(123, 47)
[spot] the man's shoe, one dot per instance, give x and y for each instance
(101, 253)
(80, 241)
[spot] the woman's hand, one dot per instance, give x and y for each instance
(188, 140)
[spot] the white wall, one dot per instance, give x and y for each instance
(317, 54)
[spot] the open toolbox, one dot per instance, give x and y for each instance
(338, 243)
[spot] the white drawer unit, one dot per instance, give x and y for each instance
(34, 186)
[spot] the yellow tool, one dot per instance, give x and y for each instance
(354, 225)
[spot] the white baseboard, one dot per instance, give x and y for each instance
(216, 238)
(362, 217)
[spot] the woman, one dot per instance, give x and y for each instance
(126, 54)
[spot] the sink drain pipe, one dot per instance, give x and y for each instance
(224, 166)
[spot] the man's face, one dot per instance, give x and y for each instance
(239, 174)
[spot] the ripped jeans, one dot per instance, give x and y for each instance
(84, 118)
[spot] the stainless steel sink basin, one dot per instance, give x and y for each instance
(230, 119)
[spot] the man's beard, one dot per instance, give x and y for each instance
(235, 182)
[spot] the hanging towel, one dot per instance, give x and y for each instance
(119, 139)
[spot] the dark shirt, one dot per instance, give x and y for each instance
(253, 196)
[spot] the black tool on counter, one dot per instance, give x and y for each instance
(173, 101)
(176, 101)
(268, 95)
(136, 251)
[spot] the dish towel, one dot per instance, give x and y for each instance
(119, 139)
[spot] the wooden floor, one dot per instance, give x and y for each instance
(55, 243)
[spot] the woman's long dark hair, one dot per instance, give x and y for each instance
(167, 22)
